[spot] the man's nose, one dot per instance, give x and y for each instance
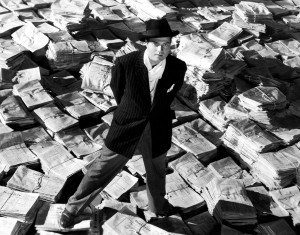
(160, 48)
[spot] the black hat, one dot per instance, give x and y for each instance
(156, 29)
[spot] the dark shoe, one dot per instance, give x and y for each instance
(67, 219)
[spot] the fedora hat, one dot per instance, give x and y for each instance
(156, 29)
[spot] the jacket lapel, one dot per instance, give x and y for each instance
(142, 76)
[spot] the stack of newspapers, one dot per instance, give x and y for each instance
(56, 160)
(192, 141)
(10, 23)
(96, 76)
(247, 135)
(13, 54)
(225, 34)
(13, 111)
(227, 200)
(30, 37)
(288, 198)
(213, 111)
(253, 12)
(127, 223)
(180, 195)
(19, 205)
(263, 98)
(13, 226)
(27, 180)
(227, 168)
(277, 169)
(77, 105)
(68, 55)
(65, 12)
(13, 151)
(32, 94)
(52, 118)
(192, 171)
(77, 142)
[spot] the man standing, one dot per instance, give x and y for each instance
(144, 84)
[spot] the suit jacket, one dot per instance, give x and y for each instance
(130, 85)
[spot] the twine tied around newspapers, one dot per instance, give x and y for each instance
(267, 97)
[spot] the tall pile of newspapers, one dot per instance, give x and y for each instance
(233, 166)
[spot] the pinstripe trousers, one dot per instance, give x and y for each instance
(109, 164)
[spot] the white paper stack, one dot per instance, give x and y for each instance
(253, 12)
(96, 76)
(257, 27)
(68, 13)
(151, 9)
(212, 13)
(12, 54)
(227, 168)
(13, 151)
(245, 134)
(192, 171)
(193, 54)
(30, 37)
(18, 205)
(56, 160)
(35, 135)
(104, 102)
(27, 180)
(192, 141)
(213, 111)
(263, 98)
(13, 111)
(288, 199)
(49, 215)
(68, 55)
(77, 142)
(180, 195)
(51, 117)
(9, 23)
(196, 21)
(77, 105)
(119, 185)
(227, 200)
(136, 165)
(225, 34)
(139, 197)
(277, 169)
(12, 226)
(17, 5)
(127, 223)
(32, 94)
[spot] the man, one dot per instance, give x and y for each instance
(144, 84)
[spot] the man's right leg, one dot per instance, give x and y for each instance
(99, 174)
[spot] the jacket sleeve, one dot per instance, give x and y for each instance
(118, 82)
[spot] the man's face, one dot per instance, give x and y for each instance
(158, 49)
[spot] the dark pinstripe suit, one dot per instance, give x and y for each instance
(130, 85)
(135, 122)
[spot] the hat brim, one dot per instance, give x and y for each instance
(147, 35)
